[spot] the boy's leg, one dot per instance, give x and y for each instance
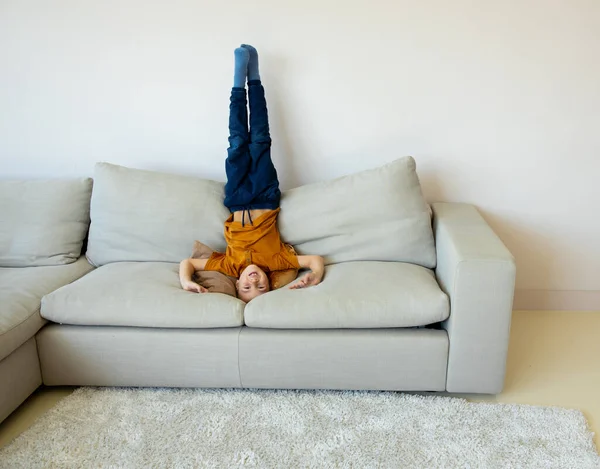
(259, 116)
(238, 163)
(259, 119)
(263, 175)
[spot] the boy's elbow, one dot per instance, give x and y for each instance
(311, 262)
(318, 262)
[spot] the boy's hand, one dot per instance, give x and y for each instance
(193, 287)
(317, 267)
(187, 267)
(308, 280)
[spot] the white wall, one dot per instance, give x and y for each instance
(499, 102)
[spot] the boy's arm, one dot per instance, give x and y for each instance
(187, 268)
(317, 267)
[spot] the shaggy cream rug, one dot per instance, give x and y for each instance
(174, 428)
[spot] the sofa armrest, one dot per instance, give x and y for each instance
(477, 272)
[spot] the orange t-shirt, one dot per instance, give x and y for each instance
(258, 243)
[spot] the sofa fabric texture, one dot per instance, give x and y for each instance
(44, 222)
(139, 356)
(21, 291)
(478, 273)
(19, 376)
(141, 215)
(374, 215)
(142, 294)
(384, 359)
(358, 295)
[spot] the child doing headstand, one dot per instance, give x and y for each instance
(254, 247)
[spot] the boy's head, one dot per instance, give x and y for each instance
(252, 282)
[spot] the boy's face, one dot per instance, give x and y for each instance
(252, 282)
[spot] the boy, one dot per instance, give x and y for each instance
(254, 247)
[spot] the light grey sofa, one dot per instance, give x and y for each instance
(42, 228)
(412, 299)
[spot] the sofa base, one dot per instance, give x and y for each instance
(369, 359)
(19, 377)
(377, 359)
(135, 356)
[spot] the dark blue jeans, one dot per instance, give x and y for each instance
(251, 177)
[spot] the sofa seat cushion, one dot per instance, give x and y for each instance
(21, 291)
(355, 295)
(140, 294)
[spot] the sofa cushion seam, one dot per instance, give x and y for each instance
(238, 356)
(38, 310)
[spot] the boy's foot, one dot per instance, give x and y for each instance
(253, 63)
(242, 56)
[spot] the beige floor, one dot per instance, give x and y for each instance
(554, 359)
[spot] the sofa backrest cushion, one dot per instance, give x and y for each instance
(374, 215)
(139, 215)
(43, 222)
